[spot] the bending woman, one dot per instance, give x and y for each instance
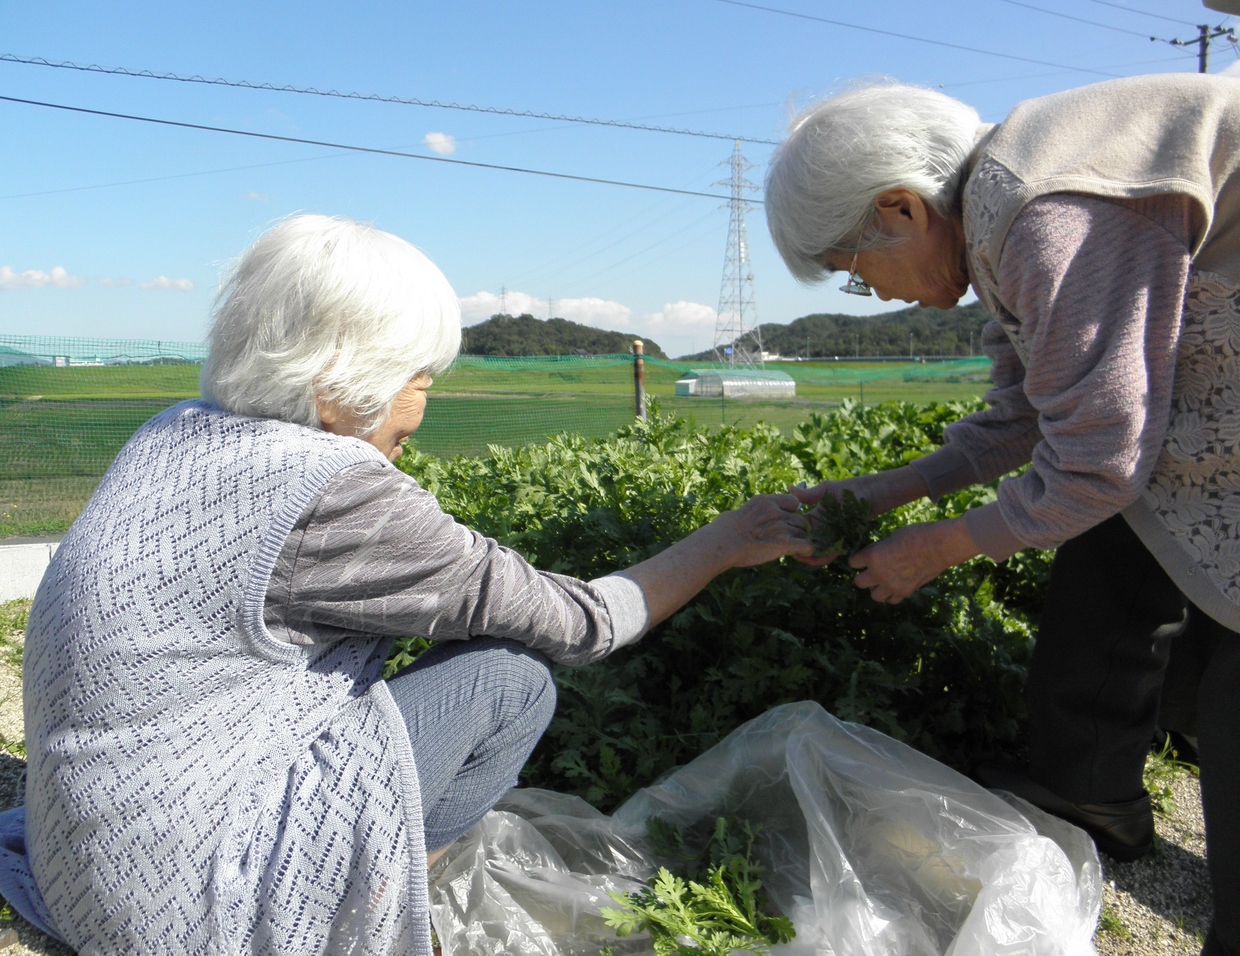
(215, 764)
(1100, 227)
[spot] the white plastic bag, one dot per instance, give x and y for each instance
(871, 848)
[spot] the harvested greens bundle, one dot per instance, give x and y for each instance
(713, 906)
(840, 526)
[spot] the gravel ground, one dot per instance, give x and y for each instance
(1159, 905)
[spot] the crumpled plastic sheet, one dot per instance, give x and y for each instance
(871, 848)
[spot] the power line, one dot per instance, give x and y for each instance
(371, 97)
(1035, 76)
(668, 254)
(647, 250)
(540, 272)
(160, 179)
(373, 150)
(1157, 16)
(223, 169)
(1067, 16)
(905, 36)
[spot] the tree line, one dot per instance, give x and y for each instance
(525, 335)
(914, 330)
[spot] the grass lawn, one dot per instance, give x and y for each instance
(60, 428)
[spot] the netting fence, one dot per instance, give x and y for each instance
(68, 405)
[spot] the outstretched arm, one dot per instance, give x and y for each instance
(980, 447)
(762, 529)
(376, 555)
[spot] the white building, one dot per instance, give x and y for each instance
(736, 383)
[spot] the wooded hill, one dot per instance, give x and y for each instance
(934, 332)
(525, 335)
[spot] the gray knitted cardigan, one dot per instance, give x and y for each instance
(195, 785)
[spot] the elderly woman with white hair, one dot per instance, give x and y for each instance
(215, 762)
(1101, 229)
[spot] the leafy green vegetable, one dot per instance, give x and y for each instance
(404, 651)
(943, 671)
(840, 526)
(713, 908)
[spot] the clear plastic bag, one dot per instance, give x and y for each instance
(871, 848)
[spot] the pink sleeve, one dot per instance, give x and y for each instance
(1098, 287)
(994, 441)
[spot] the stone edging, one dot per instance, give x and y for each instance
(22, 565)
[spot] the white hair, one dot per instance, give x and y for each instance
(322, 308)
(844, 150)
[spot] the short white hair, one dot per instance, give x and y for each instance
(846, 149)
(322, 308)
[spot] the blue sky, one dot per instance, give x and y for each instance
(110, 228)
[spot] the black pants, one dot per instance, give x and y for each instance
(1111, 618)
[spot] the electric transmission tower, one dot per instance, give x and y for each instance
(737, 339)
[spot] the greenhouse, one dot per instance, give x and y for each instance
(736, 383)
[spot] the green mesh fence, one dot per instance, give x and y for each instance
(67, 406)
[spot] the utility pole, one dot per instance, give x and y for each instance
(1204, 35)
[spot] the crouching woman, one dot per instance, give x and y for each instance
(215, 762)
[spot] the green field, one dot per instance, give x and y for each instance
(60, 428)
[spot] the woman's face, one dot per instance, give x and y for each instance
(927, 263)
(401, 422)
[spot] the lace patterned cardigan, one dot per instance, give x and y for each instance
(210, 772)
(1116, 375)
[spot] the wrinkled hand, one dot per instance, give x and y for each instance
(895, 567)
(764, 528)
(884, 490)
(813, 496)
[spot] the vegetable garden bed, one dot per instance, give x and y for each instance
(943, 671)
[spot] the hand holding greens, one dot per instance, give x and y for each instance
(840, 526)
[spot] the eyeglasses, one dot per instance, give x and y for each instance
(855, 286)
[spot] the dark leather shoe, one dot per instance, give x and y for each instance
(1215, 946)
(1123, 831)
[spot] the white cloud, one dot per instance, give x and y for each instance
(163, 282)
(440, 143)
(681, 316)
(115, 283)
(58, 278)
(482, 305)
(254, 196)
(601, 313)
(681, 327)
(593, 311)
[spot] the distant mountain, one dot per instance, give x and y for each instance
(526, 335)
(934, 332)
